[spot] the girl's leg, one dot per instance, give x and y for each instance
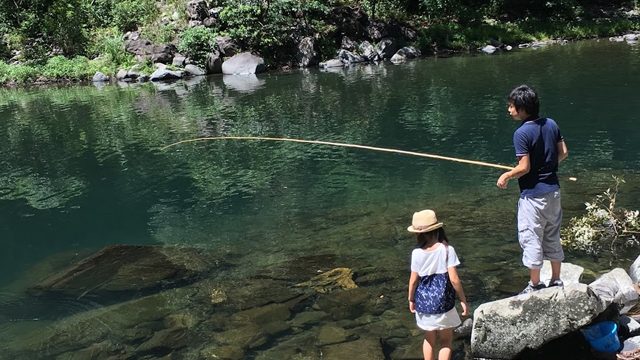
(428, 344)
(445, 338)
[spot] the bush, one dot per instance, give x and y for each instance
(604, 226)
(17, 73)
(109, 43)
(128, 15)
(196, 43)
(59, 67)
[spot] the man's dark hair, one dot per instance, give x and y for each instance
(525, 98)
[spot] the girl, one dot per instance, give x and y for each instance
(433, 285)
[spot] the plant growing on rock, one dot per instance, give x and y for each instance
(604, 227)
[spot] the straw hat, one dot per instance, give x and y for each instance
(424, 221)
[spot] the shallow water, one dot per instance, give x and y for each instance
(83, 168)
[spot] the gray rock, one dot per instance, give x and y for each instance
(332, 63)
(368, 51)
(631, 324)
(615, 287)
(464, 330)
(569, 273)
(489, 49)
(631, 37)
(348, 44)
(145, 50)
(194, 70)
(227, 46)
(164, 74)
(243, 64)
(307, 55)
(350, 58)
(214, 63)
(178, 60)
(209, 22)
(121, 74)
(197, 10)
(407, 52)
(387, 48)
(100, 77)
(330, 334)
(504, 328)
(634, 271)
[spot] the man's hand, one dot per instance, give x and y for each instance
(503, 180)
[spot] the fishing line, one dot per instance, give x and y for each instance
(347, 145)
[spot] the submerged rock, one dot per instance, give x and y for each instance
(339, 278)
(121, 269)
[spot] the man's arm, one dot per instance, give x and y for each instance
(563, 152)
(522, 168)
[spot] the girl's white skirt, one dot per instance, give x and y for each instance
(438, 321)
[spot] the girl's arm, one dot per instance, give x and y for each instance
(457, 284)
(413, 283)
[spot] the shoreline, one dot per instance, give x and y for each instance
(488, 49)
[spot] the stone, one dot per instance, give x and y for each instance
(489, 49)
(197, 10)
(347, 44)
(164, 74)
(308, 318)
(307, 55)
(225, 352)
(332, 63)
(569, 273)
(630, 324)
(615, 287)
(118, 269)
(387, 48)
(344, 304)
(348, 57)
(166, 340)
(100, 77)
(243, 64)
(634, 271)
(368, 51)
(338, 278)
(121, 74)
(227, 46)
(331, 334)
(145, 50)
(264, 314)
(504, 328)
(214, 63)
(193, 70)
(364, 348)
(178, 60)
(629, 347)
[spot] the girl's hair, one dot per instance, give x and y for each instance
(438, 234)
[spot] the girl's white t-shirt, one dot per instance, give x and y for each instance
(433, 262)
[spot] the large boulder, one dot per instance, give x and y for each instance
(368, 51)
(243, 64)
(616, 287)
(569, 273)
(504, 328)
(145, 50)
(165, 74)
(350, 58)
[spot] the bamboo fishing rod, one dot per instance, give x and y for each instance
(347, 145)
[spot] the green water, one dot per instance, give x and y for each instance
(82, 167)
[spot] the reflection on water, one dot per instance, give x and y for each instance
(83, 168)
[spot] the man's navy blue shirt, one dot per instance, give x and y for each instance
(539, 138)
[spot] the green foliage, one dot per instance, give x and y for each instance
(59, 67)
(604, 227)
(196, 43)
(128, 15)
(109, 43)
(17, 73)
